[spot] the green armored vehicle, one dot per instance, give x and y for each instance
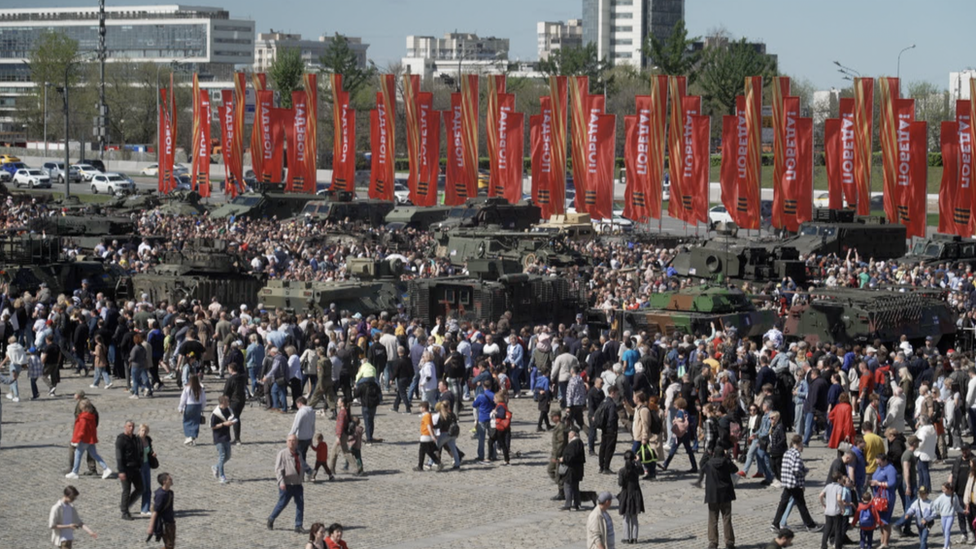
(837, 231)
(83, 225)
(690, 311)
(29, 260)
(271, 201)
(852, 315)
(492, 212)
(378, 290)
(942, 248)
(461, 245)
(727, 257)
(367, 211)
(416, 217)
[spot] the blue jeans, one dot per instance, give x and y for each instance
(924, 478)
(446, 439)
(140, 380)
(515, 375)
(100, 374)
(279, 397)
(90, 448)
(253, 374)
(146, 472)
(15, 374)
(762, 461)
(923, 533)
(291, 491)
(482, 431)
(369, 419)
(413, 387)
(223, 456)
(807, 427)
(786, 514)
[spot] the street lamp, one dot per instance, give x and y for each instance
(898, 74)
(848, 72)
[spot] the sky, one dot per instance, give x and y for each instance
(807, 36)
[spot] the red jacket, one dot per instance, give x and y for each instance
(85, 429)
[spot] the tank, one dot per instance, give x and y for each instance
(83, 225)
(376, 288)
(270, 201)
(942, 248)
(462, 245)
(529, 298)
(27, 261)
(493, 212)
(852, 315)
(572, 225)
(690, 311)
(415, 217)
(728, 257)
(837, 231)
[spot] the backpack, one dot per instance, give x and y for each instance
(453, 429)
(865, 518)
(680, 425)
(501, 418)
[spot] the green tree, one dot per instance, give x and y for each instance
(286, 73)
(674, 56)
(53, 52)
(580, 61)
(339, 58)
(932, 105)
(723, 72)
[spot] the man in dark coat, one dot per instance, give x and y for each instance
(128, 461)
(719, 495)
(235, 389)
(559, 439)
(574, 458)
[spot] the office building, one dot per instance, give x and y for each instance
(959, 84)
(268, 44)
(620, 28)
(203, 39)
(558, 35)
(465, 52)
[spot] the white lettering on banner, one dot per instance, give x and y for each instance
(266, 130)
(381, 114)
(300, 131)
(503, 138)
(904, 150)
(965, 151)
(847, 149)
(791, 147)
(742, 148)
(345, 133)
(547, 141)
(643, 138)
(458, 141)
(591, 144)
(423, 134)
(687, 161)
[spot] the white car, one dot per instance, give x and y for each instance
(87, 171)
(151, 170)
(401, 192)
(822, 200)
(31, 178)
(111, 183)
(718, 214)
(618, 224)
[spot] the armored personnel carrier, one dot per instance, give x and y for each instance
(416, 217)
(942, 248)
(29, 260)
(270, 201)
(527, 248)
(378, 290)
(366, 211)
(852, 315)
(83, 225)
(728, 257)
(492, 212)
(690, 311)
(837, 231)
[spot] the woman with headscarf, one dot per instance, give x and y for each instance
(630, 498)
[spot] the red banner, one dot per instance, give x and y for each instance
(781, 90)
(343, 163)
(558, 90)
(834, 158)
(888, 94)
(298, 127)
(658, 107)
(235, 173)
(965, 196)
(798, 166)
(684, 147)
(411, 89)
(274, 154)
(678, 207)
(382, 174)
(387, 96)
(225, 116)
(579, 110)
(429, 122)
(848, 147)
(262, 121)
(469, 132)
(200, 170)
(863, 113)
(748, 195)
(504, 104)
(954, 216)
(511, 144)
(637, 161)
(496, 87)
(540, 130)
(600, 148)
(456, 189)
(785, 193)
(912, 176)
(263, 151)
(729, 175)
(348, 152)
(165, 149)
(311, 91)
(697, 167)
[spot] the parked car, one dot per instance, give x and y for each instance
(4, 158)
(5, 176)
(111, 183)
(151, 170)
(31, 178)
(87, 171)
(401, 192)
(98, 165)
(183, 182)
(12, 167)
(54, 171)
(718, 214)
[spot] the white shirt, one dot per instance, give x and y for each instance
(971, 393)
(926, 443)
(428, 376)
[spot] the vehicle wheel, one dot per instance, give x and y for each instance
(30, 184)
(94, 190)
(61, 179)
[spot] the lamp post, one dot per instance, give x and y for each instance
(46, 85)
(898, 74)
(67, 132)
(848, 72)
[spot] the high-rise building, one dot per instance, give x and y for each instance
(959, 84)
(620, 28)
(465, 52)
(558, 35)
(267, 45)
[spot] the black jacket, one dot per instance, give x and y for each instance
(402, 368)
(574, 457)
(718, 480)
(777, 440)
(370, 394)
(127, 456)
(235, 388)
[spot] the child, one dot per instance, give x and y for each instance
(867, 520)
(34, 370)
(427, 445)
(540, 390)
(321, 457)
(355, 441)
(921, 510)
(946, 506)
(834, 504)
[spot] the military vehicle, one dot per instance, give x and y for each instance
(83, 225)
(529, 298)
(378, 290)
(942, 248)
(728, 257)
(175, 203)
(837, 231)
(26, 261)
(344, 209)
(270, 201)
(574, 226)
(690, 311)
(415, 217)
(853, 315)
(204, 268)
(492, 212)
(527, 248)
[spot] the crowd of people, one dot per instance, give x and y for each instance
(890, 409)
